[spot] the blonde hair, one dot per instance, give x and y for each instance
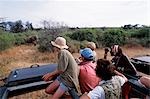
(91, 45)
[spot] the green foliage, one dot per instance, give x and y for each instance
(142, 36)
(45, 46)
(44, 41)
(47, 35)
(75, 46)
(21, 37)
(145, 42)
(7, 40)
(81, 35)
(142, 33)
(113, 36)
(78, 38)
(99, 38)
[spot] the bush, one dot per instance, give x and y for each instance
(142, 36)
(112, 37)
(81, 35)
(142, 33)
(7, 40)
(44, 41)
(99, 39)
(75, 46)
(47, 35)
(145, 42)
(19, 38)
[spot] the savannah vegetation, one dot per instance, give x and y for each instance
(76, 37)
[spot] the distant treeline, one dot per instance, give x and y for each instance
(76, 37)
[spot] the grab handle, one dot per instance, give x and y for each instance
(34, 65)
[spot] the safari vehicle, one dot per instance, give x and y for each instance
(134, 88)
(30, 79)
(25, 80)
(142, 63)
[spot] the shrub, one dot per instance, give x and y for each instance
(74, 45)
(142, 33)
(81, 35)
(113, 36)
(143, 36)
(19, 38)
(145, 42)
(7, 40)
(99, 39)
(44, 41)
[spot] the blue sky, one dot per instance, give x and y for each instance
(79, 13)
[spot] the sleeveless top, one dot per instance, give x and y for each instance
(112, 89)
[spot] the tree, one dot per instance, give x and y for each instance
(54, 28)
(129, 26)
(28, 26)
(17, 27)
(51, 30)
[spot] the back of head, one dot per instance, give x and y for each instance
(87, 54)
(91, 45)
(104, 69)
(115, 50)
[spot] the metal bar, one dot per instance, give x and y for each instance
(28, 85)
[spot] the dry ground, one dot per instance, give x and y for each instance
(24, 56)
